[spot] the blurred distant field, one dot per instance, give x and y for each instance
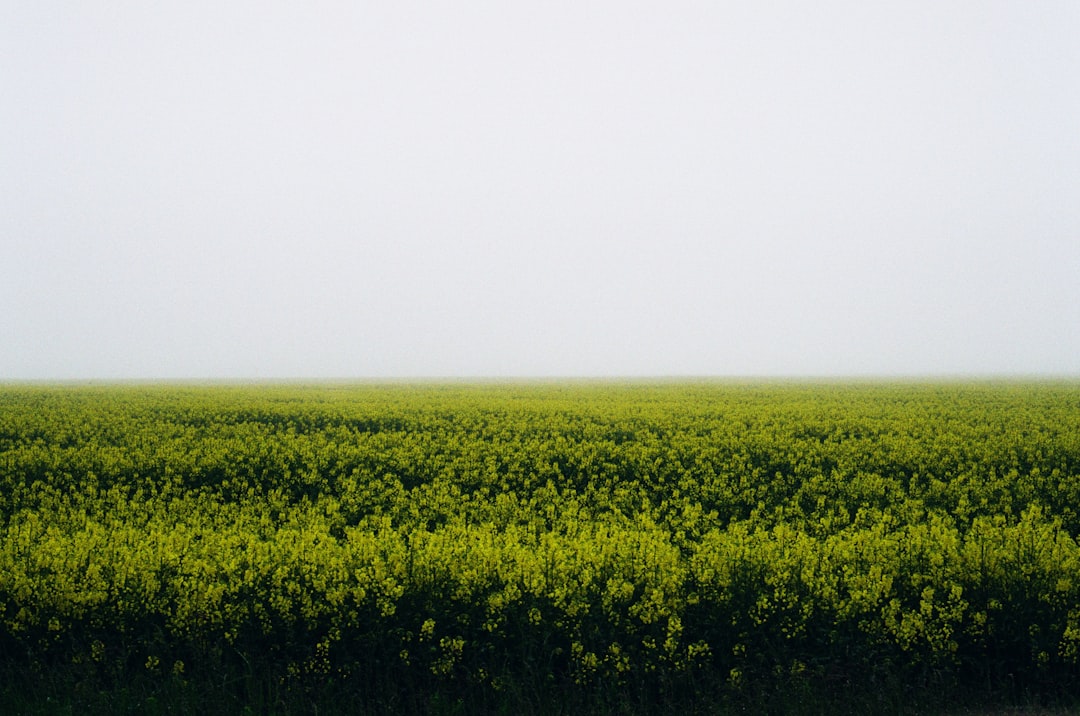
(539, 546)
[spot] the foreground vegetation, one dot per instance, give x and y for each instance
(539, 547)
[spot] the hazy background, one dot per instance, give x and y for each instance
(371, 189)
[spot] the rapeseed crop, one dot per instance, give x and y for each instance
(617, 546)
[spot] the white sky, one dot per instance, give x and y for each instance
(370, 189)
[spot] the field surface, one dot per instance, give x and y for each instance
(616, 547)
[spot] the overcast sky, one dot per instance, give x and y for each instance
(498, 188)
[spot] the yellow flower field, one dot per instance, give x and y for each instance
(618, 543)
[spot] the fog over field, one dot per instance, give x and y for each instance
(414, 189)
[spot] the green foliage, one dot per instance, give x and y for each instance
(534, 541)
